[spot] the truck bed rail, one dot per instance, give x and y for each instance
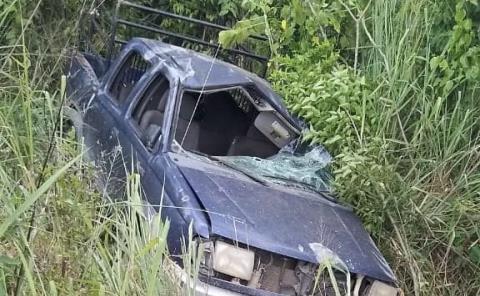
(242, 57)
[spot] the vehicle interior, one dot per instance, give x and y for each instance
(230, 122)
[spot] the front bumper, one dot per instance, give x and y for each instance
(200, 288)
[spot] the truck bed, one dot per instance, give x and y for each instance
(85, 71)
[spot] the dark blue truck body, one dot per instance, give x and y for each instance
(217, 201)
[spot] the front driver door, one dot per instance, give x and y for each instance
(145, 119)
(147, 133)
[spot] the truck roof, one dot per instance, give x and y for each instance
(195, 66)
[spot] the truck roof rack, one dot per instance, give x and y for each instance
(239, 55)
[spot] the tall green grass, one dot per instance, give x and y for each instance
(431, 153)
(79, 244)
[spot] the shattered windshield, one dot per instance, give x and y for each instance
(244, 133)
(306, 168)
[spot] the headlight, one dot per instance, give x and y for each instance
(233, 261)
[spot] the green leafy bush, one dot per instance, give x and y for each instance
(329, 96)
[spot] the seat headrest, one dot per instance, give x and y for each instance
(151, 117)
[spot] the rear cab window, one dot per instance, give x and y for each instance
(130, 72)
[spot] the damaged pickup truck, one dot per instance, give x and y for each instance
(217, 149)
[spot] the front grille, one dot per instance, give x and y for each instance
(279, 275)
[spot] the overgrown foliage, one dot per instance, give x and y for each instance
(76, 243)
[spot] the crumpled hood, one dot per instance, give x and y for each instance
(291, 223)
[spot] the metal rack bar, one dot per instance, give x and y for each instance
(191, 39)
(117, 20)
(184, 18)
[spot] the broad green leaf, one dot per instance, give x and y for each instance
(241, 31)
(474, 254)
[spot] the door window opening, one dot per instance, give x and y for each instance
(149, 112)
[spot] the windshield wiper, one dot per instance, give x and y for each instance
(327, 194)
(231, 166)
